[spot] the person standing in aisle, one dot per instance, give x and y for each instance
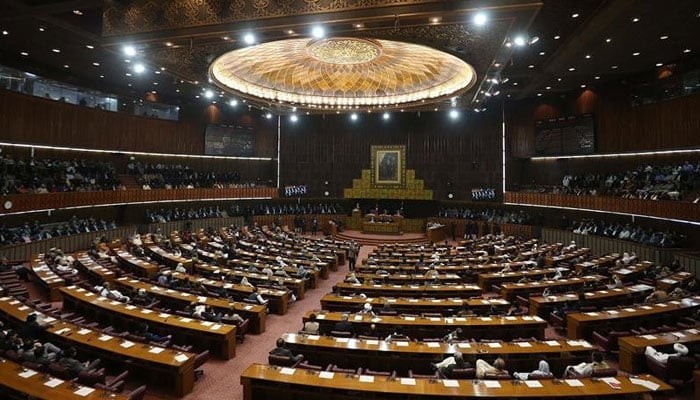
(352, 255)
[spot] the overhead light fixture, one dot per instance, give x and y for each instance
(358, 25)
(102, 76)
(293, 118)
(435, 20)
(574, 15)
(542, 53)
(290, 31)
(664, 37)
(635, 19)
(268, 116)
(24, 53)
(572, 69)
(5, 33)
(597, 77)
(558, 79)
(515, 83)
(539, 94)
(77, 12)
(636, 53)
(608, 40)
(96, 64)
(557, 37)
(169, 44)
(129, 50)
(588, 56)
(659, 64)
(519, 41)
(318, 32)
(249, 38)
(353, 116)
(66, 66)
(505, 80)
(209, 94)
(614, 67)
(56, 50)
(386, 116)
(89, 46)
(232, 103)
(686, 51)
(480, 19)
(548, 88)
(531, 66)
(497, 92)
(533, 40)
(139, 68)
(42, 29)
(583, 86)
(454, 114)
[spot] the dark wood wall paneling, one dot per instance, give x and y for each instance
(672, 124)
(466, 151)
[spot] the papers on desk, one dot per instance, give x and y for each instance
(408, 381)
(643, 382)
(693, 331)
(84, 331)
(494, 345)
(326, 375)
(524, 344)
(53, 382)
(156, 350)
(613, 312)
(433, 344)
(215, 327)
(84, 391)
(313, 337)
(105, 338)
(201, 299)
(486, 319)
(114, 303)
(62, 331)
(592, 314)
(376, 319)
(181, 358)
(629, 309)
(449, 320)
(342, 340)
(645, 307)
(464, 345)
(612, 382)
(552, 343)
(367, 378)
(460, 319)
(450, 382)
(146, 311)
(23, 308)
(28, 373)
(492, 384)
(164, 315)
(527, 318)
(573, 382)
(185, 319)
(434, 319)
(358, 318)
(410, 318)
(413, 300)
(648, 337)
(510, 318)
(321, 316)
(401, 343)
(126, 344)
(678, 334)
(207, 323)
(578, 343)
(533, 384)
(248, 307)
(130, 307)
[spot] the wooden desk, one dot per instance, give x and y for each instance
(632, 272)
(446, 307)
(600, 262)
(220, 339)
(176, 374)
(496, 278)
(417, 356)
(137, 265)
(437, 233)
(510, 290)
(382, 228)
(504, 328)
(297, 285)
(279, 299)
(670, 283)
(288, 256)
(256, 313)
(402, 278)
(263, 382)
(171, 260)
(92, 268)
(439, 291)
(601, 298)
(632, 358)
(582, 325)
(552, 261)
(35, 386)
(46, 277)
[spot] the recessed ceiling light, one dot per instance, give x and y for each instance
(196, 96)
(102, 76)
(157, 72)
(139, 68)
(268, 116)
(5, 33)
(636, 53)
(128, 74)
(77, 12)
(386, 116)
(24, 53)
(208, 94)
(686, 51)
(177, 90)
(583, 86)
(557, 37)
(358, 25)
(519, 41)
(539, 94)
(249, 38)
(129, 85)
(548, 88)
(664, 37)
(66, 66)
(515, 83)
(635, 19)
(318, 32)
(531, 66)
(588, 56)
(42, 29)
(558, 79)
(155, 83)
(96, 64)
(353, 116)
(572, 69)
(290, 31)
(129, 50)
(454, 114)
(533, 40)
(614, 67)
(233, 102)
(497, 65)
(169, 44)
(480, 19)
(56, 50)
(225, 38)
(89, 46)
(542, 53)
(293, 118)
(608, 40)
(574, 15)
(597, 77)
(659, 64)
(435, 20)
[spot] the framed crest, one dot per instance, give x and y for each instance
(388, 166)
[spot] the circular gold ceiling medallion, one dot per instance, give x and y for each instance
(344, 50)
(342, 74)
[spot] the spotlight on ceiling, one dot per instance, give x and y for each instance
(519, 41)
(249, 38)
(386, 116)
(454, 114)
(233, 102)
(318, 32)
(268, 115)
(480, 19)
(533, 40)
(353, 116)
(139, 68)
(293, 118)
(129, 50)
(209, 94)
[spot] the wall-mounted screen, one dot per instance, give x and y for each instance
(565, 136)
(229, 140)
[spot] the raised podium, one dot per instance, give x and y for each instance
(382, 224)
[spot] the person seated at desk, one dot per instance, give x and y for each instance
(39, 355)
(557, 275)
(141, 298)
(253, 268)
(548, 291)
(63, 266)
(585, 369)
(656, 296)
(514, 310)
(312, 326)
(454, 335)
(73, 365)
(484, 368)
(344, 325)
(368, 280)
(397, 335)
(268, 271)
(142, 330)
(616, 282)
(541, 371)
(680, 351)
(180, 268)
(257, 297)
(455, 361)
(281, 262)
(372, 331)
(282, 350)
(281, 272)
(232, 315)
(244, 282)
(367, 310)
(106, 291)
(432, 273)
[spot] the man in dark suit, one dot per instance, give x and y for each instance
(344, 325)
